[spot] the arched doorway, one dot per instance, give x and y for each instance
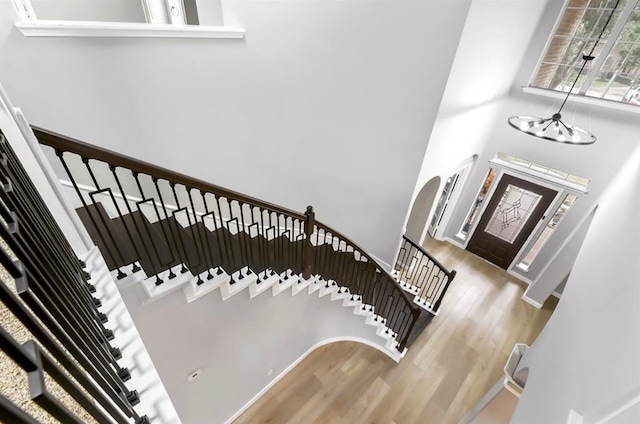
(417, 223)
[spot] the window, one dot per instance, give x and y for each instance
(555, 175)
(475, 208)
(546, 233)
(614, 74)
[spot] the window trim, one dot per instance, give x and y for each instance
(575, 98)
(30, 26)
(47, 28)
(550, 179)
(614, 35)
(581, 97)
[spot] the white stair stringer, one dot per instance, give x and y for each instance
(348, 302)
(222, 281)
(155, 291)
(319, 286)
(228, 289)
(131, 277)
(375, 321)
(281, 285)
(302, 284)
(288, 277)
(417, 300)
(265, 280)
(364, 310)
(154, 401)
(193, 290)
(341, 295)
(316, 285)
(323, 287)
(324, 290)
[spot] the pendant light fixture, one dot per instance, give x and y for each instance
(553, 128)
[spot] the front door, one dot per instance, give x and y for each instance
(512, 213)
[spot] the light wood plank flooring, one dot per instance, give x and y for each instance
(447, 370)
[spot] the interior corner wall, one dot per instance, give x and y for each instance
(560, 265)
(472, 103)
(617, 133)
(420, 210)
(323, 103)
(587, 356)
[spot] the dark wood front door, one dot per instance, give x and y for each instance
(512, 213)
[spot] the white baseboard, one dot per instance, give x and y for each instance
(556, 294)
(532, 302)
(295, 363)
(455, 242)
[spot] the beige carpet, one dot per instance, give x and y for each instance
(13, 380)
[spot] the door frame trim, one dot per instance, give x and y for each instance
(562, 191)
(539, 214)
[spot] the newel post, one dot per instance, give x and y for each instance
(309, 225)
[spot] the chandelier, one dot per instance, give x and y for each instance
(553, 128)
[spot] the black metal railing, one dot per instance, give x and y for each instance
(207, 229)
(421, 274)
(46, 293)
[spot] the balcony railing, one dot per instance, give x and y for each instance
(46, 293)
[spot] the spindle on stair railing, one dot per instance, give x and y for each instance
(206, 229)
(46, 294)
(421, 274)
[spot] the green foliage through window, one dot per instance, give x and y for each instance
(614, 74)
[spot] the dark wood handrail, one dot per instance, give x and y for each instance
(326, 228)
(88, 151)
(428, 255)
(68, 144)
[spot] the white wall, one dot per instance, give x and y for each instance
(499, 49)
(235, 343)
(486, 63)
(328, 103)
(427, 198)
(617, 133)
(560, 265)
(11, 124)
(587, 357)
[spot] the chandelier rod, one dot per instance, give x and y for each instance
(588, 57)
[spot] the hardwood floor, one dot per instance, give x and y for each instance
(448, 369)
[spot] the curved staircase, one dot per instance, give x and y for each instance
(193, 258)
(174, 232)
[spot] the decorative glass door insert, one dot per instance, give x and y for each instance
(512, 212)
(514, 209)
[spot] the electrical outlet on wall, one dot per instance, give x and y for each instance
(270, 372)
(194, 374)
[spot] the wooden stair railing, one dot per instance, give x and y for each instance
(142, 215)
(422, 275)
